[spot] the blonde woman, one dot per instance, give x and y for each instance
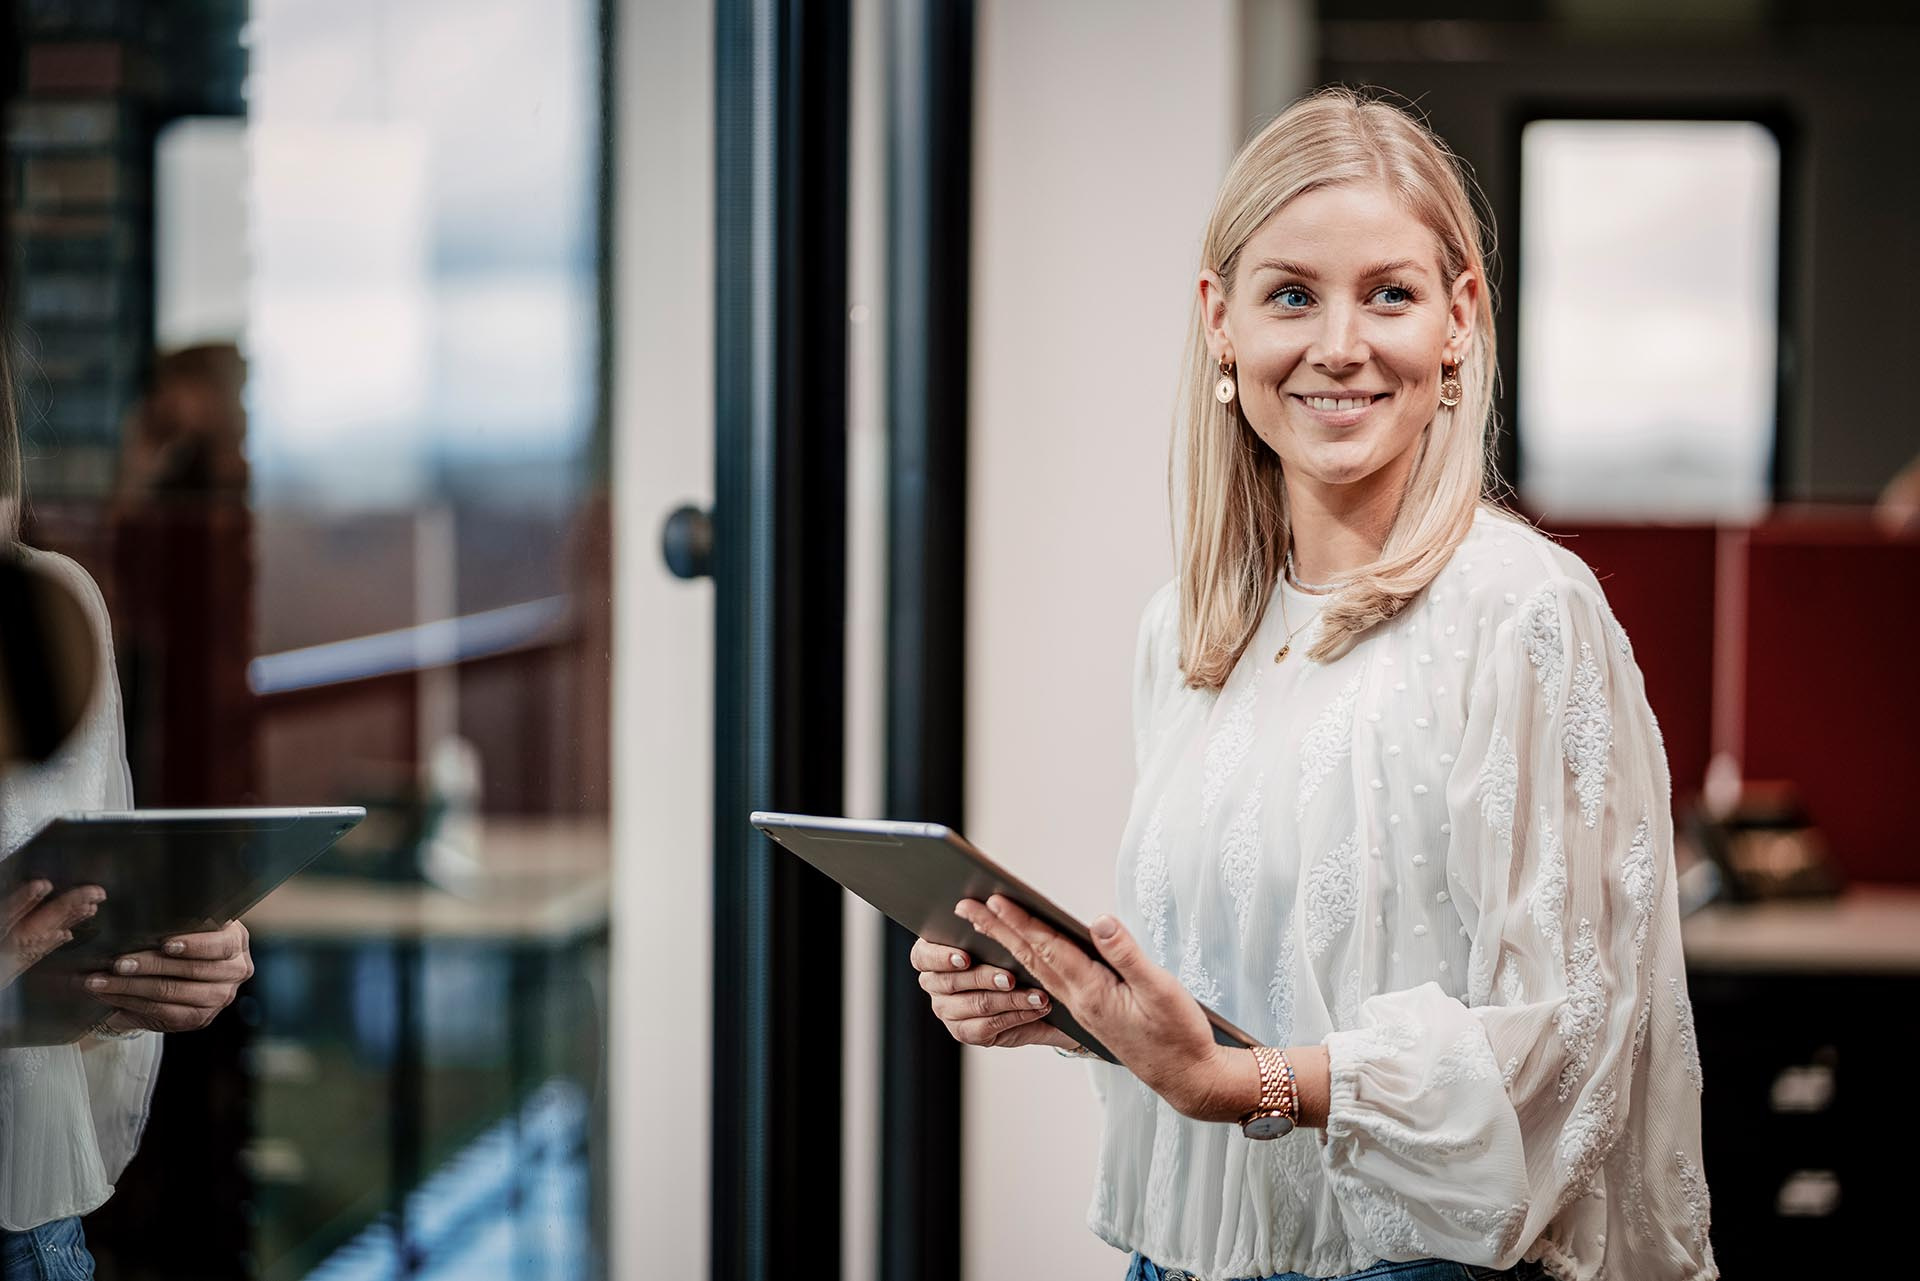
(71, 1115)
(1401, 809)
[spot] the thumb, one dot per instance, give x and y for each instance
(1118, 948)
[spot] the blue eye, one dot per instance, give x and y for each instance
(1293, 291)
(1404, 298)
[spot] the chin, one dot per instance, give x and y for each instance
(1339, 466)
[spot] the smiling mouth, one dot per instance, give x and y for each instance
(1340, 404)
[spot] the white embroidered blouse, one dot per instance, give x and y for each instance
(71, 1115)
(1448, 856)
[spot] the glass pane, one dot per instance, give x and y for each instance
(1648, 334)
(323, 420)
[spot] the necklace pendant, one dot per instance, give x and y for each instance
(1283, 651)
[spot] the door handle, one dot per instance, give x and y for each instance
(686, 542)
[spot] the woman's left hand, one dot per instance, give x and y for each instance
(1136, 1009)
(178, 988)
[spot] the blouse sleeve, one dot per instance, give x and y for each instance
(1461, 1127)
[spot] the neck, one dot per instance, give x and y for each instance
(1336, 529)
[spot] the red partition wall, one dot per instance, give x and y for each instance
(1829, 694)
(1660, 581)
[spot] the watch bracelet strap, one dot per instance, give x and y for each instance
(1279, 1088)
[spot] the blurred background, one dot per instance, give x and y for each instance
(563, 426)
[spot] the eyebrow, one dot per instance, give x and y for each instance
(1398, 266)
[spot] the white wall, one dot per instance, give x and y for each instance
(1102, 128)
(663, 643)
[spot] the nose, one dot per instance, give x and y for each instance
(1340, 344)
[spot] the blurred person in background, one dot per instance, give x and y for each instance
(71, 1115)
(1401, 805)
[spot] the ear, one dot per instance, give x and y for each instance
(1213, 316)
(1463, 310)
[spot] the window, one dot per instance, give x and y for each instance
(1648, 327)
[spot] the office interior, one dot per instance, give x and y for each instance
(564, 426)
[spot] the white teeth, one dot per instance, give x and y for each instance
(1332, 405)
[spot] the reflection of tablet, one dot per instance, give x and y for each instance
(916, 872)
(165, 872)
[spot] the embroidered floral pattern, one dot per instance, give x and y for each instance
(1170, 1143)
(1636, 876)
(1547, 903)
(1689, 1039)
(1380, 1040)
(1333, 895)
(1498, 1226)
(1585, 1141)
(1480, 966)
(1539, 623)
(1620, 641)
(1390, 1228)
(1328, 741)
(1227, 747)
(1510, 1073)
(1468, 1058)
(1511, 990)
(1280, 990)
(1588, 737)
(1499, 786)
(1581, 1013)
(1346, 1003)
(1640, 1024)
(1635, 1182)
(1151, 883)
(1193, 974)
(1693, 1190)
(1240, 856)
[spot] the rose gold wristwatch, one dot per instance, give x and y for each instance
(1278, 1111)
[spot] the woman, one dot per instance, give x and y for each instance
(71, 1115)
(1401, 806)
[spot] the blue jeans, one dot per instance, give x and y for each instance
(54, 1251)
(1141, 1268)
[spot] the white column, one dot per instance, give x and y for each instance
(663, 642)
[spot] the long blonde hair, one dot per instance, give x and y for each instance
(1234, 535)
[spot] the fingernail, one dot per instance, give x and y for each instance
(39, 889)
(1105, 927)
(959, 960)
(96, 982)
(125, 965)
(1002, 982)
(1036, 1000)
(176, 947)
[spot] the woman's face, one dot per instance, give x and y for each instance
(1338, 324)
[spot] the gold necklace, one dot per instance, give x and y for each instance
(1287, 573)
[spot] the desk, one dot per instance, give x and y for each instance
(1803, 1011)
(533, 913)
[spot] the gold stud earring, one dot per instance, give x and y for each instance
(1450, 390)
(1223, 391)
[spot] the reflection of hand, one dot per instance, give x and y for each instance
(178, 988)
(33, 925)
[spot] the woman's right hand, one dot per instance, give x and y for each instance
(982, 1004)
(33, 925)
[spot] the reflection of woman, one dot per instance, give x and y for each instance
(71, 1115)
(1401, 804)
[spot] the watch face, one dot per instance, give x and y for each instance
(1271, 1126)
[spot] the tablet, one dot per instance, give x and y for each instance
(916, 872)
(165, 872)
